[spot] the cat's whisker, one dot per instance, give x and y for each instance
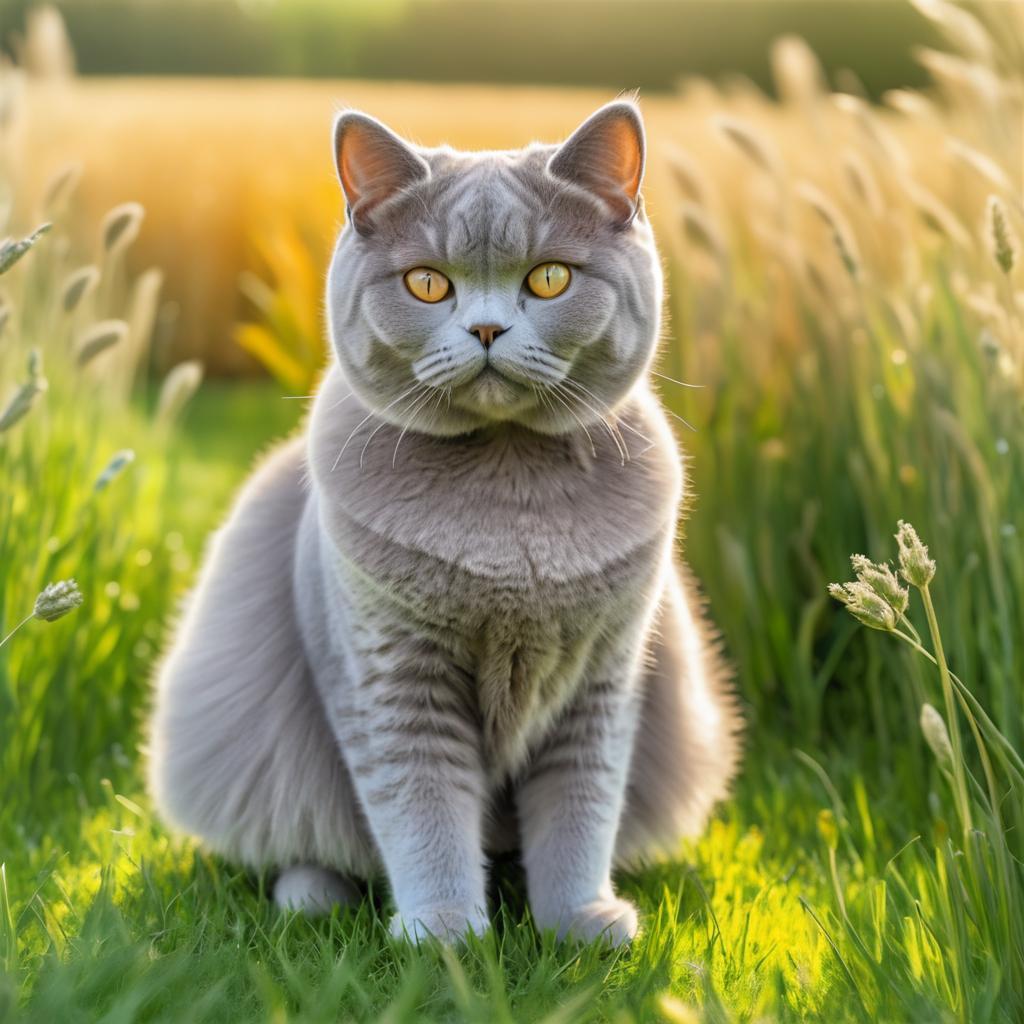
(681, 383)
(616, 437)
(369, 416)
(554, 394)
(616, 421)
(405, 428)
(417, 397)
(685, 423)
(341, 401)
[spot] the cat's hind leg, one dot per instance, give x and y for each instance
(240, 753)
(687, 746)
(314, 890)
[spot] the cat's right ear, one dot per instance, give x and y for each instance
(374, 165)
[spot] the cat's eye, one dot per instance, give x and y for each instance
(548, 280)
(427, 285)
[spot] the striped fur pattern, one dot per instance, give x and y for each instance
(448, 621)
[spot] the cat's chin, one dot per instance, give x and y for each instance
(493, 397)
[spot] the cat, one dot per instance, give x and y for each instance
(449, 621)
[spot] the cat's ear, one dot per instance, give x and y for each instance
(605, 155)
(374, 165)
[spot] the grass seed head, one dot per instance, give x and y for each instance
(59, 188)
(1002, 244)
(121, 226)
(56, 600)
(114, 468)
(915, 565)
(865, 605)
(842, 233)
(933, 727)
(701, 229)
(882, 580)
(99, 338)
(11, 251)
(22, 400)
(77, 286)
(749, 142)
(178, 387)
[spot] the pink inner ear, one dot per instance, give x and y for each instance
(605, 155)
(373, 165)
(364, 165)
(623, 143)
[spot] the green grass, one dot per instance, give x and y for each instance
(840, 883)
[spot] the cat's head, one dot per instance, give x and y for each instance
(474, 288)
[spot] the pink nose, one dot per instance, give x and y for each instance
(486, 333)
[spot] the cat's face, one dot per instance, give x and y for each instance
(474, 288)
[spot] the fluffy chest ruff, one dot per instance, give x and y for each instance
(515, 553)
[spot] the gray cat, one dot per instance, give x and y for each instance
(448, 622)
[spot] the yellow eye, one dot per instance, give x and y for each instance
(548, 280)
(427, 285)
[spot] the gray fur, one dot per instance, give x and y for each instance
(448, 621)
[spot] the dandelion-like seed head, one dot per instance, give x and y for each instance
(915, 565)
(56, 600)
(933, 727)
(882, 580)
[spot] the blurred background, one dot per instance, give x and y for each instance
(204, 110)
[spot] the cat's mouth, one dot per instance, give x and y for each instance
(490, 393)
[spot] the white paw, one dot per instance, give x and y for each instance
(448, 924)
(313, 890)
(612, 920)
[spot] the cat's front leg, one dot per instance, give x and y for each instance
(413, 747)
(570, 803)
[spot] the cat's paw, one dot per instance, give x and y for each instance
(313, 890)
(610, 920)
(447, 924)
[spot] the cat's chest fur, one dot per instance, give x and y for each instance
(522, 511)
(512, 549)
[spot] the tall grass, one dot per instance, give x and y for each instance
(861, 335)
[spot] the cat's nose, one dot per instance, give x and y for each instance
(486, 333)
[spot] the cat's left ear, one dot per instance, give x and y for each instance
(605, 155)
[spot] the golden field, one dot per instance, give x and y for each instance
(237, 176)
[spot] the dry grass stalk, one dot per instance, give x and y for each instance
(838, 225)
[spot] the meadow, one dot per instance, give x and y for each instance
(845, 290)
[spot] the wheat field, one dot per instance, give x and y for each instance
(845, 290)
